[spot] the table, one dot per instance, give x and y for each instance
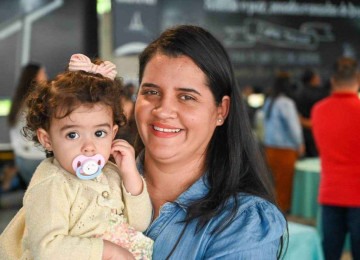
(304, 243)
(305, 193)
(305, 188)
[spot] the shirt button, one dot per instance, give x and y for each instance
(105, 194)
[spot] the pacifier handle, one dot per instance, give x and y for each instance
(87, 168)
(85, 176)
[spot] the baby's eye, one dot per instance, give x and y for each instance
(100, 133)
(72, 135)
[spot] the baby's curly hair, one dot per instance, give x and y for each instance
(69, 90)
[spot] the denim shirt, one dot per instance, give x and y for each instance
(254, 233)
(282, 129)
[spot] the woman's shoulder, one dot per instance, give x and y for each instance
(257, 219)
(251, 204)
(248, 202)
(285, 100)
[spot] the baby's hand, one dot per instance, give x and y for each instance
(115, 252)
(124, 155)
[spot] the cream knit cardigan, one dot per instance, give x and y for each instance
(61, 214)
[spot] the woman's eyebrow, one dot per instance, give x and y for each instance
(191, 90)
(152, 85)
(149, 85)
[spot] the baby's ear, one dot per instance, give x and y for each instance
(44, 139)
(115, 130)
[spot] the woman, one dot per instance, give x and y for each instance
(27, 156)
(283, 139)
(206, 178)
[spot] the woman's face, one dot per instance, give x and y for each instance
(175, 111)
(41, 76)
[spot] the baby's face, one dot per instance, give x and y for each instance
(86, 131)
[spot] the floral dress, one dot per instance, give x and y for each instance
(126, 236)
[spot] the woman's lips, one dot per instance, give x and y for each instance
(162, 130)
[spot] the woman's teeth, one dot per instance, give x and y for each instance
(166, 130)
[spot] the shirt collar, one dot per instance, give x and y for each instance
(344, 94)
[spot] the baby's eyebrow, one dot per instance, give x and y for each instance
(66, 127)
(103, 125)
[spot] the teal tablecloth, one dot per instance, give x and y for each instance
(304, 243)
(305, 193)
(305, 188)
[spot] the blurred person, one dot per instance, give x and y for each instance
(127, 99)
(9, 178)
(283, 141)
(27, 155)
(336, 128)
(129, 131)
(131, 89)
(311, 92)
(246, 91)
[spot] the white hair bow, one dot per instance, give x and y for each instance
(82, 62)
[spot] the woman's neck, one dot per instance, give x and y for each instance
(167, 181)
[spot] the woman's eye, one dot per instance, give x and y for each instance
(72, 135)
(150, 92)
(100, 133)
(187, 97)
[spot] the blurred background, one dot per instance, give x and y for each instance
(261, 37)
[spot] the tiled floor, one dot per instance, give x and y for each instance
(11, 202)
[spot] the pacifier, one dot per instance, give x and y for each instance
(88, 168)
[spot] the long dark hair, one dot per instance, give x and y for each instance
(27, 78)
(281, 86)
(233, 161)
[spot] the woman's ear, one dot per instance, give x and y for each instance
(44, 139)
(223, 110)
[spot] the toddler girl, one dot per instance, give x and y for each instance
(79, 205)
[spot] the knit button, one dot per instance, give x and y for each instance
(105, 194)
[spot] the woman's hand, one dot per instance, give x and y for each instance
(124, 155)
(112, 251)
(301, 150)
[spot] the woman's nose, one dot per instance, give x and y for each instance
(165, 108)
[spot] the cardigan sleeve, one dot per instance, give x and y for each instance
(47, 211)
(138, 209)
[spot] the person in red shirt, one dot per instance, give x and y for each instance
(336, 128)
